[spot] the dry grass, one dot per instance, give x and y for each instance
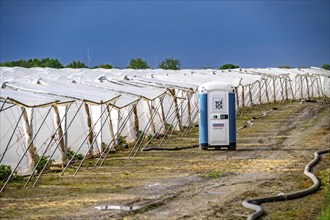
(260, 150)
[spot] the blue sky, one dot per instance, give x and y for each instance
(199, 33)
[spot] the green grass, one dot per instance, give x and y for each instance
(214, 174)
(325, 213)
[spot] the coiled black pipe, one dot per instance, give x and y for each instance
(255, 203)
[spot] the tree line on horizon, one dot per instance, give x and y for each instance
(137, 63)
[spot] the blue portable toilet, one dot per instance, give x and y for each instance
(217, 116)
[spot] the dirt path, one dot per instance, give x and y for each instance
(194, 184)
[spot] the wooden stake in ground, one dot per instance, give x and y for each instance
(175, 100)
(90, 129)
(63, 148)
(33, 156)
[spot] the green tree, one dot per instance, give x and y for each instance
(170, 64)
(285, 67)
(326, 66)
(138, 64)
(21, 63)
(53, 63)
(76, 65)
(46, 62)
(34, 63)
(104, 66)
(228, 66)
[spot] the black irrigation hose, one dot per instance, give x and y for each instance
(249, 122)
(255, 203)
(170, 148)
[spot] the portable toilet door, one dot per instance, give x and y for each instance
(217, 116)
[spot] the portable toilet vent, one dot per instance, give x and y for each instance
(217, 116)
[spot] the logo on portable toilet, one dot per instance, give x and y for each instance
(217, 104)
(218, 125)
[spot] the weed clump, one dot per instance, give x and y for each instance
(121, 143)
(43, 161)
(214, 174)
(70, 154)
(5, 171)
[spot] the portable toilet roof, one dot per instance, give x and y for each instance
(215, 85)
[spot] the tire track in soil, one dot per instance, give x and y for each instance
(269, 159)
(222, 198)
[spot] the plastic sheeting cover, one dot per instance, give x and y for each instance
(29, 99)
(68, 90)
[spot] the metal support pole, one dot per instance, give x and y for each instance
(186, 131)
(274, 89)
(266, 89)
(3, 104)
(14, 170)
(51, 156)
(138, 143)
(168, 137)
(107, 150)
(169, 127)
(50, 141)
(308, 94)
(282, 89)
(286, 87)
(243, 97)
(320, 86)
(164, 124)
(82, 144)
(102, 125)
(260, 94)
(11, 137)
(301, 88)
(312, 84)
(291, 89)
(175, 100)
(250, 94)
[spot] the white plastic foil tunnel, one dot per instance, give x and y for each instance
(47, 112)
